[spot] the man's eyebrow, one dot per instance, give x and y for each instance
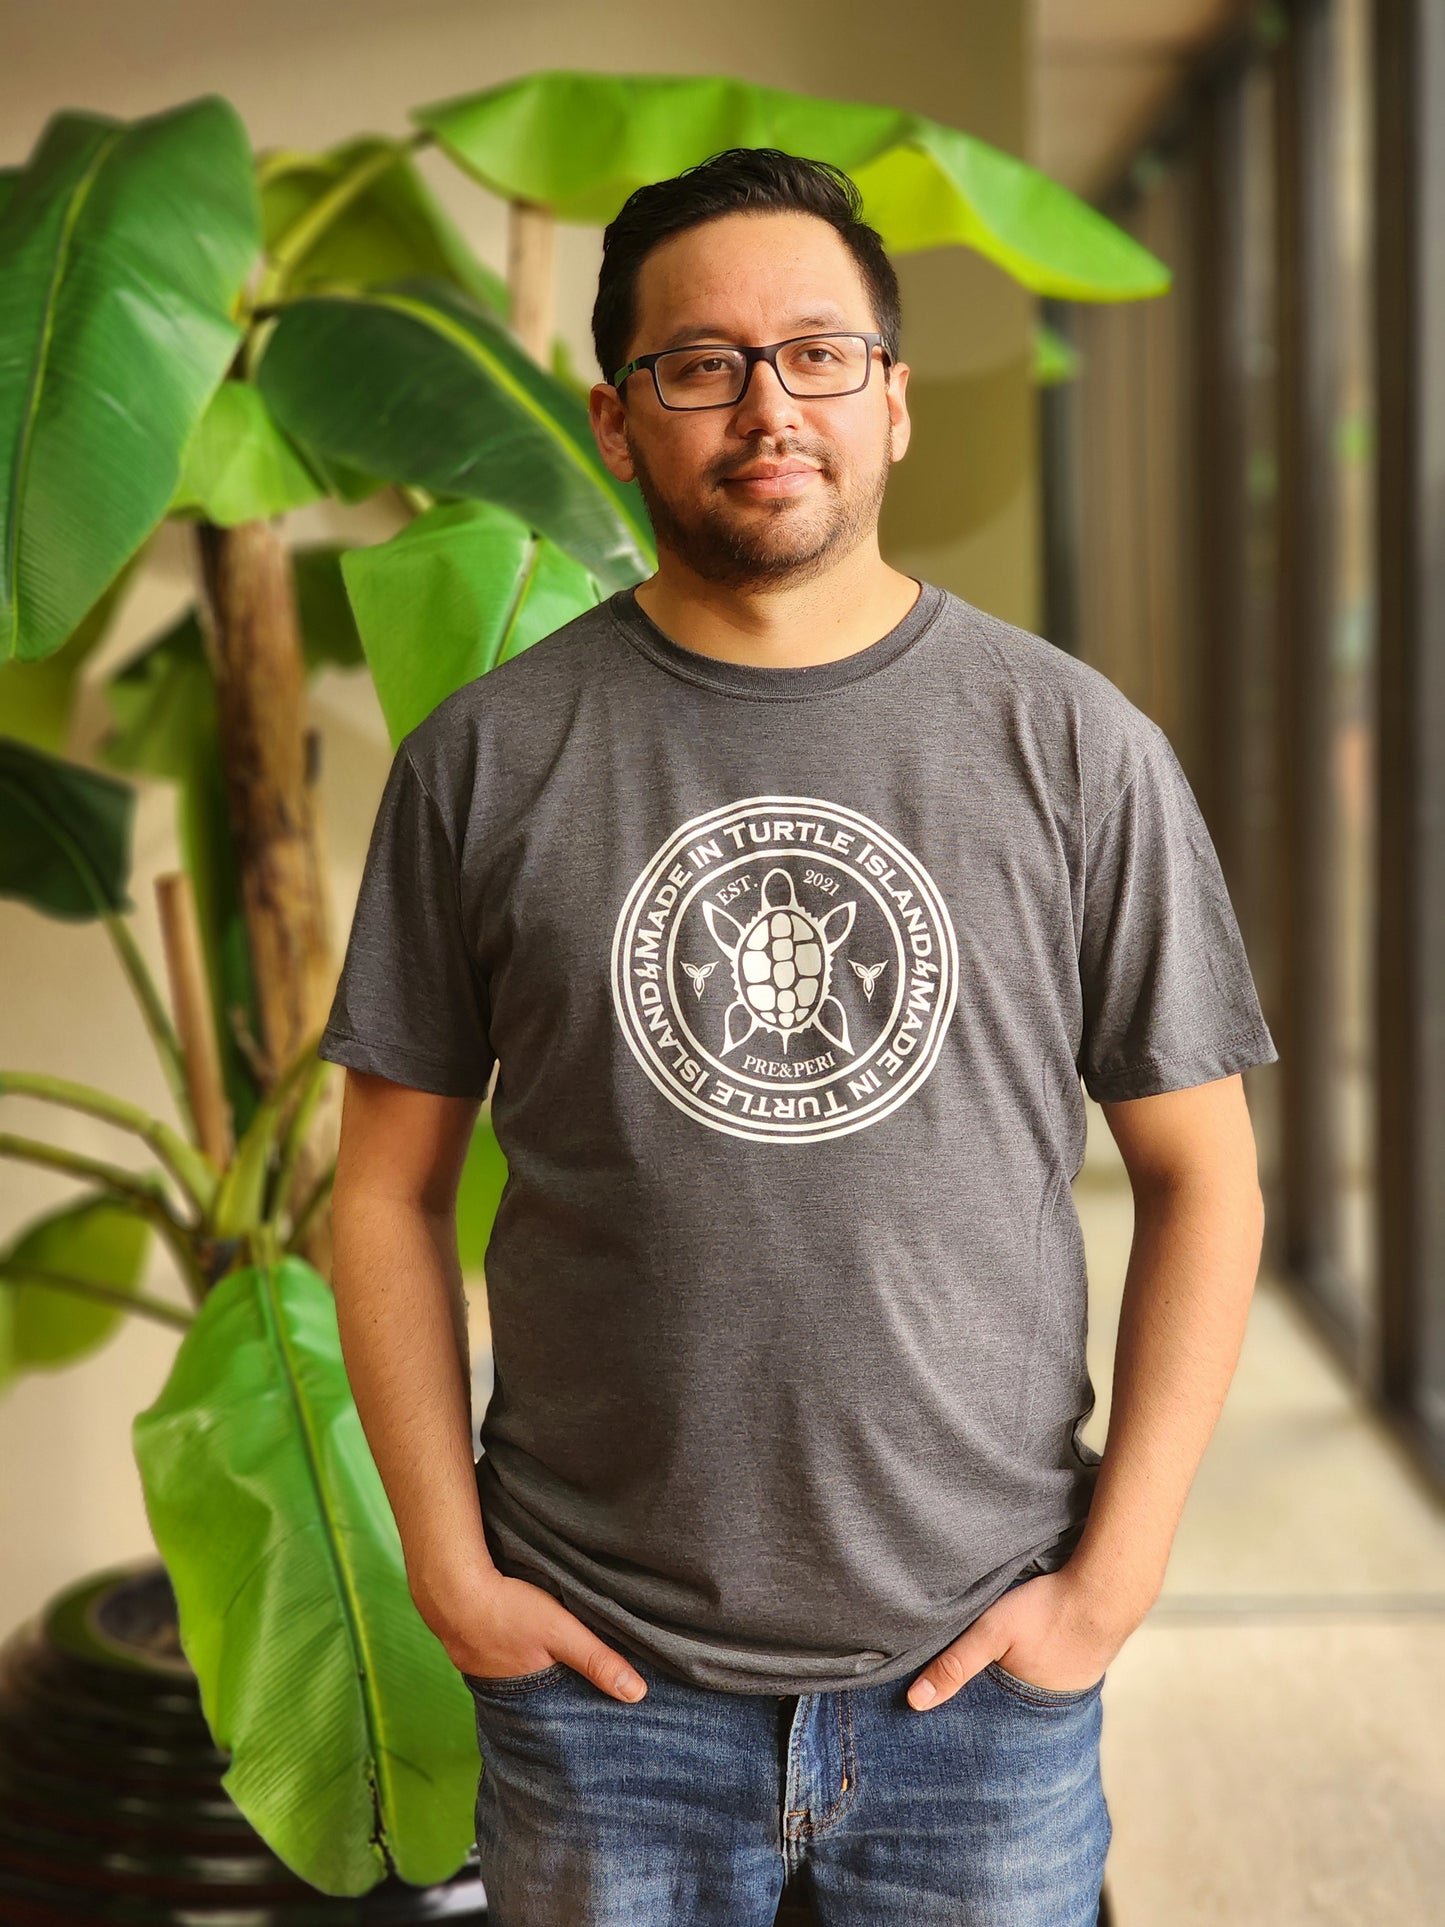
(714, 330)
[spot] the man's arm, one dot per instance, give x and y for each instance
(1198, 1232)
(402, 1314)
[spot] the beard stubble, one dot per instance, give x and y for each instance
(786, 542)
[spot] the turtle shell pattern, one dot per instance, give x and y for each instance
(782, 963)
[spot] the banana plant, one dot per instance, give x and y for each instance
(193, 333)
(261, 1490)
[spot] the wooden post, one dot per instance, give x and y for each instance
(531, 277)
(195, 1020)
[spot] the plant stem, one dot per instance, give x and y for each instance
(15, 1273)
(241, 1199)
(191, 1169)
(137, 1190)
(304, 1216)
(293, 246)
(153, 1010)
(247, 605)
(291, 1144)
(135, 1186)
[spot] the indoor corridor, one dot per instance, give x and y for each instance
(1272, 1749)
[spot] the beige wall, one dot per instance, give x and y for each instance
(961, 510)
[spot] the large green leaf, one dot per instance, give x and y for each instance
(94, 1242)
(581, 142)
(351, 1733)
(37, 699)
(65, 834)
(238, 465)
(344, 480)
(459, 590)
(168, 725)
(328, 627)
(418, 385)
(163, 700)
(123, 249)
(360, 214)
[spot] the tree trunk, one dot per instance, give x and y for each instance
(271, 758)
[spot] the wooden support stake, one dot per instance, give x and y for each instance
(195, 1026)
(531, 278)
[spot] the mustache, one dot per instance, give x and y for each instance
(757, 455)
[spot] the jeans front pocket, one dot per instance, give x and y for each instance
(508, 1685)
(1032, 1695)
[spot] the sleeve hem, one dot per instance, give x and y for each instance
(399, 1066)
(1153, 1076)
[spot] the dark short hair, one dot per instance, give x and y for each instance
(738, 180)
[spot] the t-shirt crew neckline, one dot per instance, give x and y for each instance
(772, 684)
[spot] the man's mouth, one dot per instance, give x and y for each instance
(775, 478)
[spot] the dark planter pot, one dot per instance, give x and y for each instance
(111, 1806)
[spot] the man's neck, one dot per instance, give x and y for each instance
(784, 626)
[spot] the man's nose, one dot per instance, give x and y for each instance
(764, 397)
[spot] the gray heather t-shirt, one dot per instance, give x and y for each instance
(789, 977)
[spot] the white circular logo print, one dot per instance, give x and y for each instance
(785, 969)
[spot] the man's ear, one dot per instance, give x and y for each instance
(895, 390)
(608, 417)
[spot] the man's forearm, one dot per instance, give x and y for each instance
(1191, 1276)
(402, 1314)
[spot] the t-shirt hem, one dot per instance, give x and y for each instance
(627, 1632)
(693, 1658)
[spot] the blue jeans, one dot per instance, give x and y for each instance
(691, 1806)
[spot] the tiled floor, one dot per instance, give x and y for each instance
(1274, 1732)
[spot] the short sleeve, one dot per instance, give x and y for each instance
(410, 1004)
(1168, 997)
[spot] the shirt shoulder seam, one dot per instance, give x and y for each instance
(1128, 784)
(454, 862)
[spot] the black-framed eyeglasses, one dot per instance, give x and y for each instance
(715, 374)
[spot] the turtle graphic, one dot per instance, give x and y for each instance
(782, 965)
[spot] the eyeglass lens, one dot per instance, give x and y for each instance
(816, 365)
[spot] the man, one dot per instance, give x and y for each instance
(790, 897)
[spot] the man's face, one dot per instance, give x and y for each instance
(749, 279)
